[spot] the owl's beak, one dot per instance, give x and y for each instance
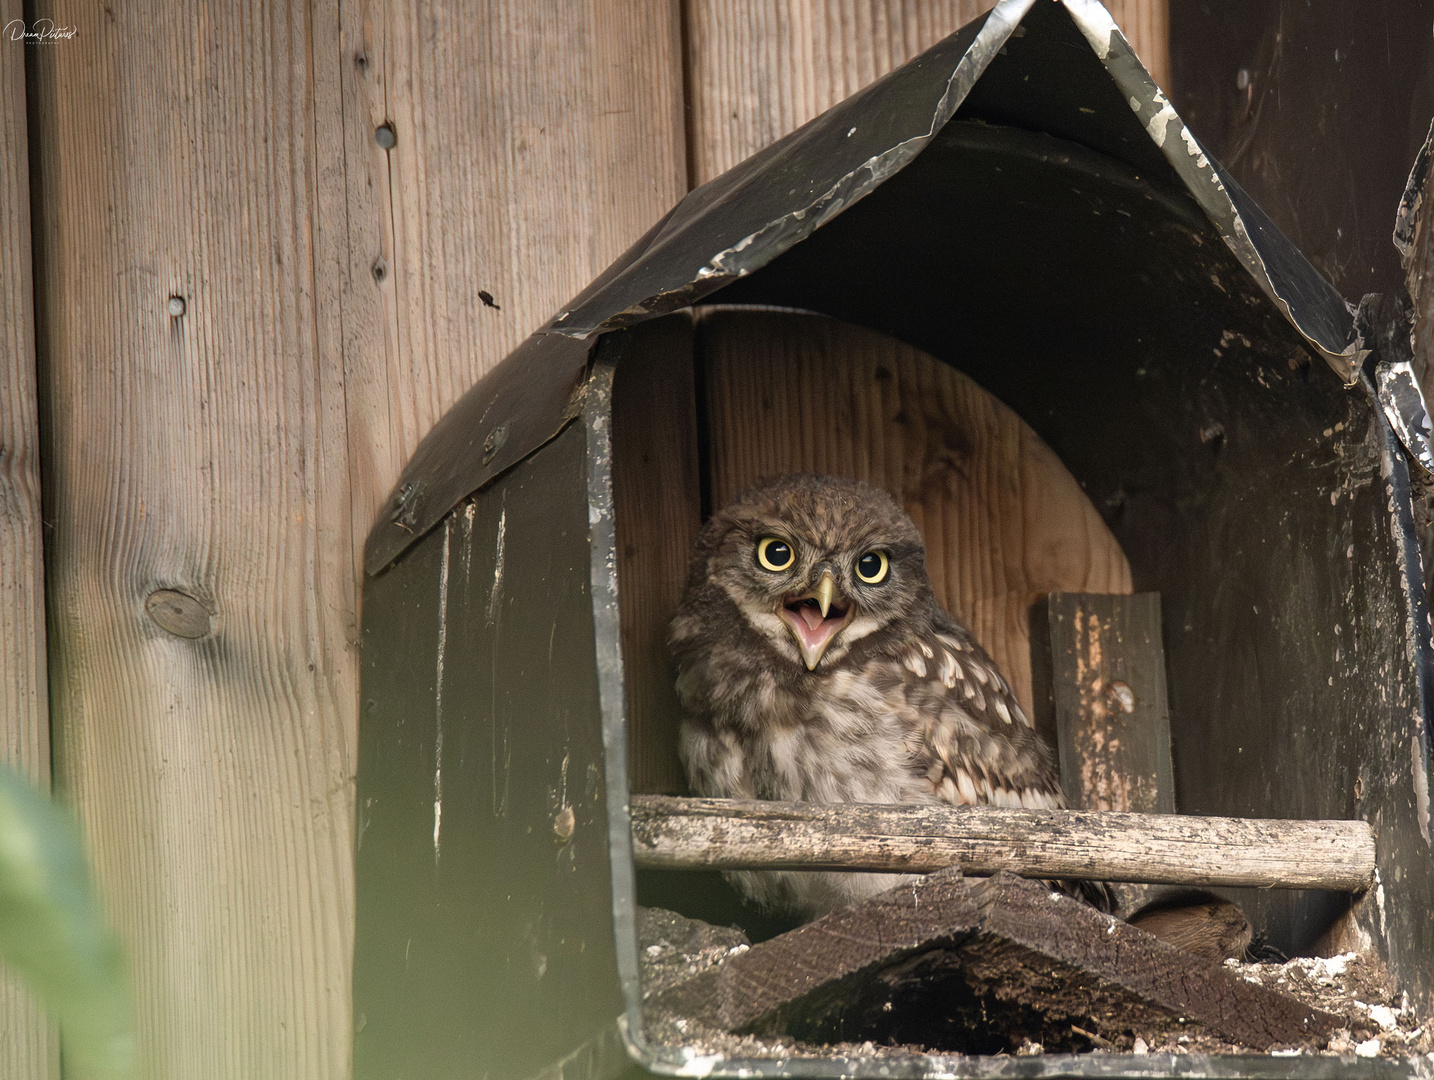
(815, 618)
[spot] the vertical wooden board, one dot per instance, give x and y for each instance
(656, 489)
(28, 1049)
(199, 446)
(1003, 520)
(758, 69)
(534, 142)
(1107, 694)
(237, 452)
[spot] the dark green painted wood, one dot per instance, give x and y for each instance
(485, 946)
(1106, 692)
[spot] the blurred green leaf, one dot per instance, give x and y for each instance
(52, 932)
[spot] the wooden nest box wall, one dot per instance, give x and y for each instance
(1001, 275)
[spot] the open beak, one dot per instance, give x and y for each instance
(815, 618)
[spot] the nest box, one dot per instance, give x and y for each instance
(1022, 203)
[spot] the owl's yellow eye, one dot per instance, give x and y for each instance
(872, 567)
(774, 553)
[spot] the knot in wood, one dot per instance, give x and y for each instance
(179, 613)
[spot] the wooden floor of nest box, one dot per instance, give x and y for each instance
(983, 966)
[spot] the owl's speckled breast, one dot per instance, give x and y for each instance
(898, 704)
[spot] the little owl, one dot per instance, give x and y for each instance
(814, 663)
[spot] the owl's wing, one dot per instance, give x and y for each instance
(965, 732)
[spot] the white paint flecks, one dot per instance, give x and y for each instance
(1384, 1016)
(1157, 125)
(1421, 785)
(1379, 906)
(438, 693)
(470, 510)
(497, 592)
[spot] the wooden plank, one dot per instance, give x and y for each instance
(658, 509)
(1169, 849)
(235, 453)
(1004, 521)
(758, 69)
(534, 142)
(1107, 696)
(196, 413)
(28, 1049)
(982, 967)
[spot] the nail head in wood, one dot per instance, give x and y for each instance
(176, 306)
(385, 137)
(178, 613)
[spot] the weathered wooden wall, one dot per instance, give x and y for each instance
(237, 453)
(28, 1048)
(249, 309)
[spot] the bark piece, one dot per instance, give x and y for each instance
(1168, 849)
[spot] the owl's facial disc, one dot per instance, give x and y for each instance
(815, 618)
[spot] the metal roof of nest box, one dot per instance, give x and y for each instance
(1023, 203)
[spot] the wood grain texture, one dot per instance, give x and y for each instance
(238, 453)
(758, 69)
(1004, 521)
(535, 142)
(28, 1047)
(203, 453)
(1162, 849)
(978, 967)
(658, 507)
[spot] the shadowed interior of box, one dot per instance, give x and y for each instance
(1058, 366)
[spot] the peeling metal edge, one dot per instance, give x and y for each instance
(1384, 329)
(1402, 403)
(612, 698)
(1406, 219)
(1418, 630)
(1201, 176)
(757, 249)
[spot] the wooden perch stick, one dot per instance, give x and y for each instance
(1165, 849)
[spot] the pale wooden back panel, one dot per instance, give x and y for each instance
(1004, 521)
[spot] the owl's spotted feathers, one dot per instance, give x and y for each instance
(815, 664)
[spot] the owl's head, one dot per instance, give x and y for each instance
(812, 563)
